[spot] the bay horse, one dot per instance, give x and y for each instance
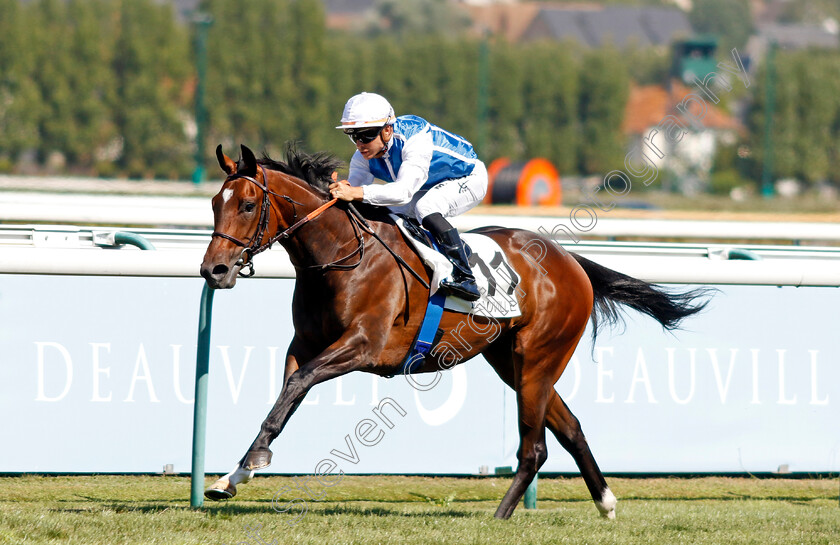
(355, 308)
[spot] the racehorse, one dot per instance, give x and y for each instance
(355, 308)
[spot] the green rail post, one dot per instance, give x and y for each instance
(202, 367)
(741, 253)
(114, 239)
(124, 237)
(483, 93)
(202, 23)
(531, 494)
(769, 112)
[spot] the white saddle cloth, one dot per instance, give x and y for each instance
(497, 280)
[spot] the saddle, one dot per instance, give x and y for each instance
(497, 280)
(495, 277)
(418, 233)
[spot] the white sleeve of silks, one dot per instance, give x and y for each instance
(414, 171)
(359, 171)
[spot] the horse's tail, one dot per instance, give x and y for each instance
(611, 288)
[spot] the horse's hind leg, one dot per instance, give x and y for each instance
(566, 428)
(533, 382)
(532, 400)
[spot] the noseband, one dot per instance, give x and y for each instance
(253, 246)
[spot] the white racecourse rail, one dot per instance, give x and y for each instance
(195, 212)
(68, 250)
(93, 337)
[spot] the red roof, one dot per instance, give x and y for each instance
(648, 105)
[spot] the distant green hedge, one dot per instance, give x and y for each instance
(106, 87)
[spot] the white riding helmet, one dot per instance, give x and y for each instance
(367, 110)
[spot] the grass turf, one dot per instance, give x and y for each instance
(423, 510)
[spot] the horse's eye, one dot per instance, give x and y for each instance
(248, 207)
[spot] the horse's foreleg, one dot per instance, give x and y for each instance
(566, 428)
(225, 487)
(341, 358)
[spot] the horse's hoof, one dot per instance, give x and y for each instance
(607, 505)
(220, 490)
(256, 459)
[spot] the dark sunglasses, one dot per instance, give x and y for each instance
(365, 136)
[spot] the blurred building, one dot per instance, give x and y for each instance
(693, 58)
(685, 164)
(506, 19)
(598, 26)
(589, 24)
(794, 36)
(348, 14)
(774, 24)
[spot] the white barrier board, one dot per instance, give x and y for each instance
(96, 375)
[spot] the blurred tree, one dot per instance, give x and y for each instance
(113, 80)
(422, 61)
(347, 75)
(809, 11)
(309, 71)
(251, 90)
(731, 20)
(550, 124)
(728, 169)
(151, 66)
(21, 106)
(424, 17)
(637, 2)
(832, 63)
(817, 107)
(506, 105)
(90, 80)
(55, 64)
(386, 59)
(648, 65)
(786, 123)
(604, 87)
(786, 127)
(456, 79)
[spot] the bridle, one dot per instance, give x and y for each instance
(253, 246)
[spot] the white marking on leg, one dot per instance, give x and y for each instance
(227, 194)
(607, 504)
(239, 476)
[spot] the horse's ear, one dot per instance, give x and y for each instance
(249, 162)
(225, 162)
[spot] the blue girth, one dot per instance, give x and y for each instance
(428, 330)
(426, 337)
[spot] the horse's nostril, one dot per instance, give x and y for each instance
(220, 270)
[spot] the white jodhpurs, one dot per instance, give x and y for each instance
(449, 198)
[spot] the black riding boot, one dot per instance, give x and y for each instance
(462, 282)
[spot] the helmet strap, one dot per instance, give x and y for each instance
(384, 142)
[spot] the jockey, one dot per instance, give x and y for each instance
(432, 174)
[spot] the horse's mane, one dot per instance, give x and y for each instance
(315, 169)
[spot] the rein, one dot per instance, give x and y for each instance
(253, 246)
(400, 260)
